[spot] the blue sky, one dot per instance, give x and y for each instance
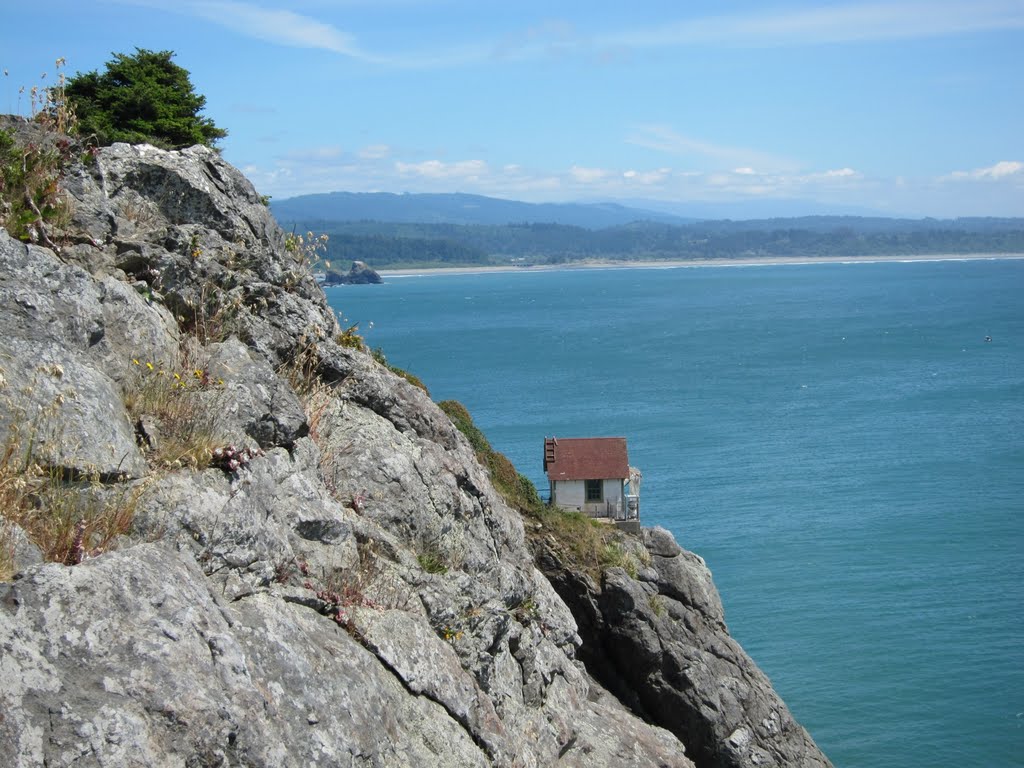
(907, 108)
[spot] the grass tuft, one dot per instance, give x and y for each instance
(177, 409)
(69, 516)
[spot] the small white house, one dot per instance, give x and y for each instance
(590, 475)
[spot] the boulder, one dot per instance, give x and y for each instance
(661, 645)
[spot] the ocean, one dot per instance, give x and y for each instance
(843, 443)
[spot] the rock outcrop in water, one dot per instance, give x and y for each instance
(304, 564)
(359, 274)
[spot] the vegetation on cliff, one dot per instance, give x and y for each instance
(142, 97)
(586, 544)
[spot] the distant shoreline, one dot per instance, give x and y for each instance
(675, 264)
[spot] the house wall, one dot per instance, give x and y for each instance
(571, 494)
(568, 493)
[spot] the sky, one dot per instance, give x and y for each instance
(901, 108)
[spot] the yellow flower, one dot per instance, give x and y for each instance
(149, 365)
(134, 361)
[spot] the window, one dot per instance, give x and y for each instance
(595, 490)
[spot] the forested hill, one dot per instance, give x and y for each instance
(388, 244)
(456, 208)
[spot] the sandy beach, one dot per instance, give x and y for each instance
(670, 264)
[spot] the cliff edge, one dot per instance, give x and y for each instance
(233, 538)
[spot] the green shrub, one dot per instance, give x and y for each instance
(460, 417)
(378, 354)
(614, 555)
(350, 338)
(142, 98)
(432, 562)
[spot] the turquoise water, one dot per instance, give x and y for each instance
(838, 441)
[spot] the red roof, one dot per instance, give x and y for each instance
(586, 458)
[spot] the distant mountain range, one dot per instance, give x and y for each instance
(457, 208)
(745, 210)
(388, 230)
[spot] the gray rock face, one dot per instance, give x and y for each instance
(257, 399)
(193, 230)
(59, 363)
(661, 643)
(131, 659)
(352, 591)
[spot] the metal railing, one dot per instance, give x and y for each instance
(624, 509)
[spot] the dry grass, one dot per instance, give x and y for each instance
(71, 521)
(587, 544)
(372, 583)
(302, 371)
(32, 205)
(213, 317)
(68, 516)
(316, 396)
(178, 406)
(7, 568)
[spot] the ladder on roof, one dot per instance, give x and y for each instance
(549, 451)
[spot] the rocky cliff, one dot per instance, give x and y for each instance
(232, 538)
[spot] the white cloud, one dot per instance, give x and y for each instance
(327, 152)
(647, 178)
(1000, 170)
(664, 138)
(435, 169)
(851, 23)
(587, 175)
(275, 26)
(288, 28)
(996, 190)
(855, 22)
(375, 152)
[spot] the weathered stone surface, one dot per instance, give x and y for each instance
(131, 660)
(608, 739)
(683, 576)
(662, 646)
(18, 547)
(362, 382)
(64, 406)
(257, 401)
(356, 593)
(195, 232)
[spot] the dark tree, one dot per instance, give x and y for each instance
(142, 98)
